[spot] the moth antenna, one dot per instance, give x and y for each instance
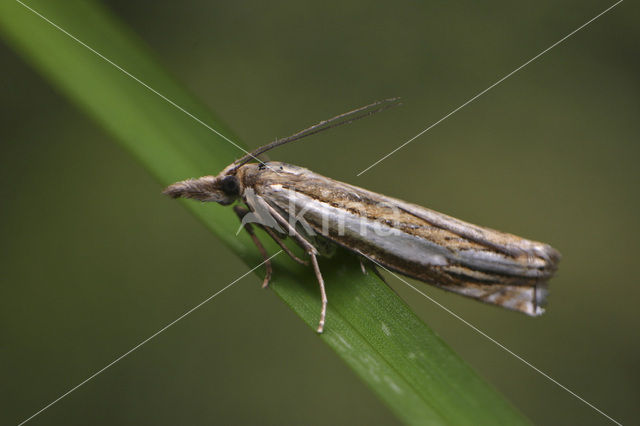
(338, 120)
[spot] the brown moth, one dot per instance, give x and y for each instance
(318, 212)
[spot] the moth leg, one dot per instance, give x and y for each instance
(282, 245)
(376, 270)
(323, 294)
(312, 252)
(362, 267)
(373, 265)
(241, 212)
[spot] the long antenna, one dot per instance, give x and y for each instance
(338, 120)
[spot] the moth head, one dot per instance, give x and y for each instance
(222, 189)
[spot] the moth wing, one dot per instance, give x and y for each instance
(502, 252)
(481, 263)
(526, 299)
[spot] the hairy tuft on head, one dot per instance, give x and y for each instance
(205, 188)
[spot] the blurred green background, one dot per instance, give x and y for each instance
(94, 259)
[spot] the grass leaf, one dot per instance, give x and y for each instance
(420, 378)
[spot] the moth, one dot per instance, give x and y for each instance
(319, 213)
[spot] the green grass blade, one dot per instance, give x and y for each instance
(420, 378)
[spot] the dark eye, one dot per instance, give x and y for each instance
(230, 185)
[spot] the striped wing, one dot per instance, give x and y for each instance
(481, 263)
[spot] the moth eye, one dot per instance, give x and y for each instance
(230, 185)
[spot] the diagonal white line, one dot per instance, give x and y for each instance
(136, 79)
(144, 341)
(491, 87)
(500, 345)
